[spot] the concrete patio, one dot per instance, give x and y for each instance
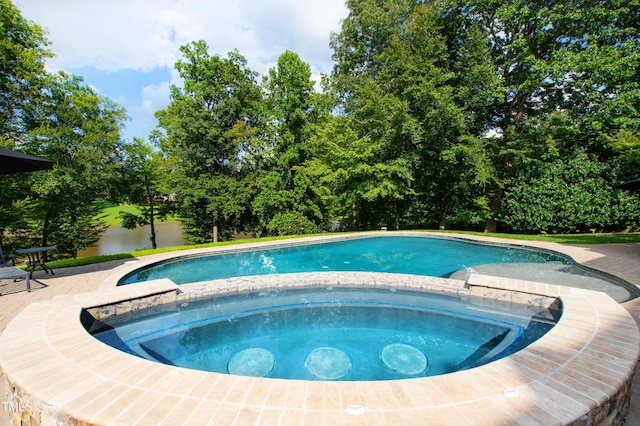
(618, 259)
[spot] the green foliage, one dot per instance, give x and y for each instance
(567, 196)
(292, 224)
(132, 221)
(80, 131)
(627, 144)
(416, 115)
(141, 173)
(22, 76)
(65, 121)
(574, 57)
(285, 184)
(218, 201)
(450, 112)
(75, 228)
(205, 128)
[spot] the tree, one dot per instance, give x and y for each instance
(142, 168)
(206, 125)
(417, 103)
(361, 190)
(80, 131)
(378, 174)
(366, 33)
(442, 93)
(57, 117)
(572, 56)
(22, 57)
(23, 51)
(285, 190)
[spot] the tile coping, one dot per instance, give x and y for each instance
(64, 374)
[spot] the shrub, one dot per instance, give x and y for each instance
(567, 196)
(292, 223)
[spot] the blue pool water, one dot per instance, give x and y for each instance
(438, 257)
(329, 334)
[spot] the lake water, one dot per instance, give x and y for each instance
(118, 240)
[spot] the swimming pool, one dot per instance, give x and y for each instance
(407, 254)
(580, 371)
(439, 257)
(330, 333)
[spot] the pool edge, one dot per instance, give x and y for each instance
(580, 372)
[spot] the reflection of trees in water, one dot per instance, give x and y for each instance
(118, 240)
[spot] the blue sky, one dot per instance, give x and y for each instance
(126, 49)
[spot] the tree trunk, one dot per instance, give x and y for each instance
(491, 225)
(215, 232)
(152, 231)
(152, 223)
(45, 237)
(45, 230)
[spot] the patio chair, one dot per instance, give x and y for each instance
(9, 270)
(3, 259)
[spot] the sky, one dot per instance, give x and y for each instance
(126, 49)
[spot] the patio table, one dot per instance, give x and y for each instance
(35, 259)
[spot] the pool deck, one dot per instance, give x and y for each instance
(619, 259)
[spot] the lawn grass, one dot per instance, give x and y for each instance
(595, 238)
(561, 239)
(111, 215)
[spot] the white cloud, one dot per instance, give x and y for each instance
(142, 108)
(154, 97)
(143, 34)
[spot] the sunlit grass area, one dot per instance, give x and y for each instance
(591, 238)
(111, 215)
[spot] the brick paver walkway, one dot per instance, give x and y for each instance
(622, 260)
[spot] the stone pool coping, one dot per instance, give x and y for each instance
(579, 373)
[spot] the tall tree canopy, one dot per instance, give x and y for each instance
(560, 63)
(418, 104)
(23, 51)
(287, 200)
(58, 117)
(206, 126)
(465, 94)
(80, 131)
